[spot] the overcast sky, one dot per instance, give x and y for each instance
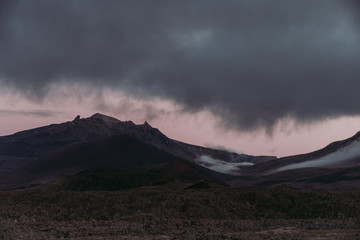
(252, 69)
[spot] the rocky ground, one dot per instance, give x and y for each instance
(145, 228)
(170, 212)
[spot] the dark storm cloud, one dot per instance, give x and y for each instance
(252, 62)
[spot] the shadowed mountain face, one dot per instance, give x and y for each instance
(115, 153)
(22, 148)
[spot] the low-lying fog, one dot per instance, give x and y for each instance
(220, 165)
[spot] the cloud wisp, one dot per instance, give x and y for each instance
(221, 166)
(342, 155)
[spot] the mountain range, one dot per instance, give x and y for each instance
(101, 146)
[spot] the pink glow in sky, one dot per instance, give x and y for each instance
(201, 128)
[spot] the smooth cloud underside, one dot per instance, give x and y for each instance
(251, 62)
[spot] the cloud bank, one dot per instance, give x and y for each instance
(251, 62)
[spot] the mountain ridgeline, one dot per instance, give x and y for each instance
(45, 153)
(86, 152)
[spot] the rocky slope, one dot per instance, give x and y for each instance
(24, 147)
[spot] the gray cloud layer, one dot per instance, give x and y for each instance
(38, 113)
(253, 62)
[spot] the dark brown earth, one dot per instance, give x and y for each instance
(177, 211)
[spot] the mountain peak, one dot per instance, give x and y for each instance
(146, 124)
(77, 118)
(104, 118)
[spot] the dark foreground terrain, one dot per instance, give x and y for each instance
(180, 210)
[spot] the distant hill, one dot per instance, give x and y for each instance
(335, 167)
